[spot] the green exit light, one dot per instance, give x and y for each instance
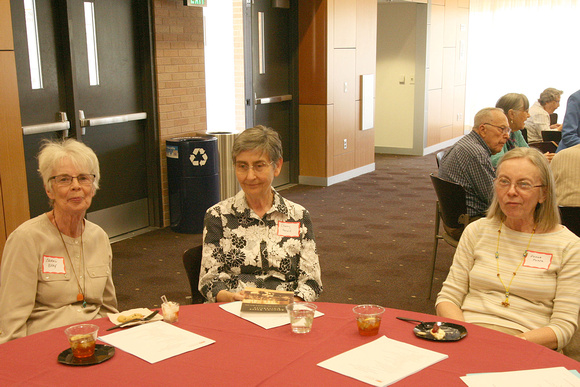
(195, 3)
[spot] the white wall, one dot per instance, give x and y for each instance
(219, 67)
(396, 56)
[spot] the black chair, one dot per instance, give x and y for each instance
(545, 146)
(524, 133)
(439, 157)
(192, 264)
(552, 135)
(452, 210)
(553, 118)
(571, 218)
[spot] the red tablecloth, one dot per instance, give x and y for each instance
(245, 354)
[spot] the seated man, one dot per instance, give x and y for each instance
(566, 169)
(468, 162)
(540, 114)
(571, 124)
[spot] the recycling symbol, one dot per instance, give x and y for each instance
(196, 155)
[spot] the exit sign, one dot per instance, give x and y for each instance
(195, 3)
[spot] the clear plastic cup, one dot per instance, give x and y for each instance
(82, 339)
(170, 311)
(368, 318)
(301, 316)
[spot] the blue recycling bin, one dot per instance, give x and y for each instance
(193, 181)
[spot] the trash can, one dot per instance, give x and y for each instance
(229, 185)
(193, 181)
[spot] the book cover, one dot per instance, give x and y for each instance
(266, 300)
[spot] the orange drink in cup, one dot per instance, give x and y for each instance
(368, 319)
(82, 339)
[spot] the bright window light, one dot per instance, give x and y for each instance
(33, 46)
(91, 33)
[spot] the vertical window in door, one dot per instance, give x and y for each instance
(91, 34)
(33, 47)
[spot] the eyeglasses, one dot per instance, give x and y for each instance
(258, 167)
(66, 180)
(506, 130)
(521, 185)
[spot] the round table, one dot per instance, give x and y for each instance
(245, 354)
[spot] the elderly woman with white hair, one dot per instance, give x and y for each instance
(518, 269)
(540, 112)
(57, 267)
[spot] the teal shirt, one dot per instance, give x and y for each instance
(517, 139)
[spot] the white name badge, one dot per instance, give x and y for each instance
(538, 260)
(53, 265)
(289, 229)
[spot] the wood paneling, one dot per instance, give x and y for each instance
(343, 163)
(344, 23)
(366, 40)
(312, 67)
(450, 29)
(344, 100)
(435, 60)
(364, 151)
(433, 116)
(2, 226)
(6, 42)
(313, 134)
(459, 111)
(12, 169)
(447, 87)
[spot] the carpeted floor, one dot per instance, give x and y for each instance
(374, 236)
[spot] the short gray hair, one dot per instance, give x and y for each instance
(484, 115)
(546, 214)
(53, 152)
(259, 138)
(513, 101)
(549, 95)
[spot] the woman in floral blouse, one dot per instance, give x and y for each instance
(257, 238)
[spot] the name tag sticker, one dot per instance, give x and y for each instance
(538, 260)
(289, 229)
(53, 265)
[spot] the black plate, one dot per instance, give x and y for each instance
(102, 353)
(453, 332)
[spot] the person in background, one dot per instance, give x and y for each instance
(257, 238)
(518, 269)
(57, 267)
(515, 106)
(571, 123)
(468, 162)
(566, 169)
(540, 112)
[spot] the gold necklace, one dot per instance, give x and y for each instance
(81, 294)
(506, 303)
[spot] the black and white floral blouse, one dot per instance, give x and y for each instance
(241, 250)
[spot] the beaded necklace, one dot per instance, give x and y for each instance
(506, 303)
(81, 294)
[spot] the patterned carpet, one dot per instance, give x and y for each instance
(374, 236)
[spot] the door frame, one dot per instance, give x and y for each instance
(249, 83)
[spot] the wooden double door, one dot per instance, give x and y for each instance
(88, 76)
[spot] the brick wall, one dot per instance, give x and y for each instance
(180, 73)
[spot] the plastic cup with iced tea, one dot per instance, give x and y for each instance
(368, 319)
(82, 339)
(301, 316)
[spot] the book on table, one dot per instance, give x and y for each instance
(266, 300)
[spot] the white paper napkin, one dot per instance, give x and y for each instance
(156, 341)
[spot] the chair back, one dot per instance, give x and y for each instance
(451, 197)
(439, 157)
(553, 118)
(571, 218)
(552, 135)
(524, 133)
(545, 146)
(192, 264)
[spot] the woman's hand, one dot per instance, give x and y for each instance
(226, 296)
(558, 127)
(549, 156)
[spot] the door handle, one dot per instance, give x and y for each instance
(63, 125)
(107, 120)
(275, 99)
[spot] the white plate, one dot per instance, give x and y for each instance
(144, 311)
